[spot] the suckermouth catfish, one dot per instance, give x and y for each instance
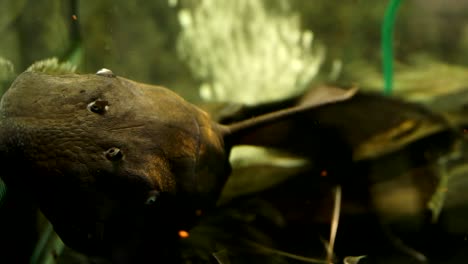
(119, 166)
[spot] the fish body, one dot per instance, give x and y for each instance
(51, 135)
(114, 163)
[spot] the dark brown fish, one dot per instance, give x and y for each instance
(119, 166)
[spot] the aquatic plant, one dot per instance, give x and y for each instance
(2, 191)
(6, 69)
(7, 73)
(387, 42)
(52, 66)
(246, 52)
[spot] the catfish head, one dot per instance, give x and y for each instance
(112, 162)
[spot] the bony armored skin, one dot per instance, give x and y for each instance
(116, 165)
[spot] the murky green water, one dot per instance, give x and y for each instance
(381, 175)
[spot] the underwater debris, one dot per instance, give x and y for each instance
(243, 52)
(353, 259)
(257, 155)
(183, 234)
(334, 224)
(436, 203)
(436, 84)
(222, 257)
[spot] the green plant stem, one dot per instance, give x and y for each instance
(2, 191)
(387, 44)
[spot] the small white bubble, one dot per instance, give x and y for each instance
(105, 72)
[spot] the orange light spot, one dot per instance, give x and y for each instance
(465, 130)
(198, 212)
(74, 17)
(183, 234)
(324, 173)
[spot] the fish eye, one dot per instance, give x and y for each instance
(99, 106)
(152, 197)
(114, 154)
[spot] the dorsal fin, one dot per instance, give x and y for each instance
(237, 133)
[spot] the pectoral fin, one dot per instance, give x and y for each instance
(260, 130)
